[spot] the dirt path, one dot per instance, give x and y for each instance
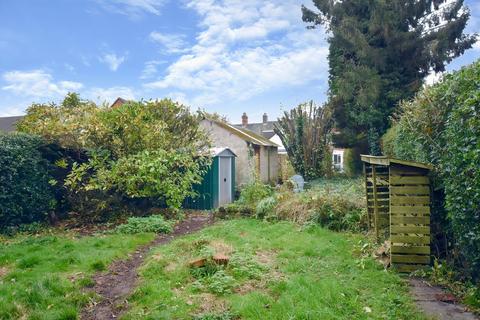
(115, 285)
(436, 303)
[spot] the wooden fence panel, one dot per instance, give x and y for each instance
(409, 217)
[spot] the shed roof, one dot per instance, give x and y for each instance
(245, 134)
(386, 161)
(222, 152)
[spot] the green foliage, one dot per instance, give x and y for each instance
(219, 283)
(243, 266)
(337, 204)
(25, 192)
(337, 213)
(351, 162)
(442, 126)
(252, 193)
(139, 150)
(227, 315)
(304, 132)
(154, 223)
(380, 52)
(266, 207)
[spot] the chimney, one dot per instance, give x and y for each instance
(265, 118)
(244, 119)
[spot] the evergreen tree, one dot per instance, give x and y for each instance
(380, 53)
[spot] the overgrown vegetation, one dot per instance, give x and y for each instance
(337, 204)
(153, 223)
(442, 126)
(304, 132)
(26, 195)
(103, 160)
(276, 271)
(42, 276)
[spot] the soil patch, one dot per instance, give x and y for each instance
(437, 303)
(3, 272)
(115, 285)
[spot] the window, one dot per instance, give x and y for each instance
(337, 159)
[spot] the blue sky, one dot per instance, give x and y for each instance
(227, 56)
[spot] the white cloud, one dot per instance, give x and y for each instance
(112, 60)
(150, 69)
(476, 45)
(37, 84)
(9, 111)
(173, 43)
(245, 48)
(109, 95)
(133, 8)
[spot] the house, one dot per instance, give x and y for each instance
(265, 129)
(256, 155)
(8, 124)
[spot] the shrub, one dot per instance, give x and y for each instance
(25, 193)
(442, 126)
(266, 207)
(139, 150)
(351, 162)
(252, 193)
(337, 204)
(155, 223)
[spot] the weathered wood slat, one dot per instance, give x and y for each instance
(410, 199)
(385, 194)
(387, 199)
(410, 229)
(417, 190)
(404, 170)
(410, 239)
(408, 267)
(416, 180)
(410, 259)
(380, 181)
(410, 249)
(409, 209)
(410, 220)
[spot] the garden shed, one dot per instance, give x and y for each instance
(218, 184)
(398, 206)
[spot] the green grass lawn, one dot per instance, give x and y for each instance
(41, 277)
(276, 271)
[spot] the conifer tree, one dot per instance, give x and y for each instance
(380, 53)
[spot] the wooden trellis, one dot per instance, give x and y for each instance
(398, 206)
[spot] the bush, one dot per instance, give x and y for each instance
(266, 207)
(25, 193)
(351, 162)
(138, 151)
(441, 126)
(155, 223)
(252, 193)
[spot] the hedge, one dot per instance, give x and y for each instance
(25, 193)
(442, 126)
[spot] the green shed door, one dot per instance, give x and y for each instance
(225, 181)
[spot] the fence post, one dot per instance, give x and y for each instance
(375, 201)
